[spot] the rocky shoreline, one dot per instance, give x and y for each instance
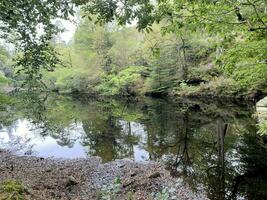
(82, 179)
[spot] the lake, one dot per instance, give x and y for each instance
(209, 144)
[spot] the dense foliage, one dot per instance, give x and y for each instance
(189, 47)
(129, 48)
(29, 26)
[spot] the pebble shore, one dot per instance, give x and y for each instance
(84, 179)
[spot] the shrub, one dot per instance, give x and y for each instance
(126, 82)
(109, 192)
(3, 79)
(246, 63)
(263, 128)
(13, 190)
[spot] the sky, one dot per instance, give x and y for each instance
(67, 35)
(69, 30)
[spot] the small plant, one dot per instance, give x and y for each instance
(263, 128)
(3, 79)
(130, 195)
(162, 195)
(109, 192)
(168, 193)
(13, 190)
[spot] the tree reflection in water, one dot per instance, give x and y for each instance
(206, 144)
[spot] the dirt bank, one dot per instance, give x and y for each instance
(85, 178)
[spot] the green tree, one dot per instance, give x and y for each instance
(29, 25)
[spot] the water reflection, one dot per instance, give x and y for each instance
(210, 145)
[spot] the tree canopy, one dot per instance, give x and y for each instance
(217, 15)
(235, 34)
(29, 25)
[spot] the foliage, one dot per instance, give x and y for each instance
(237, 26)
(163, 195)
(228, 21)
(96, 51)
(13, 190)
(263, 127)
(5, 99)
(28, 25)
(249, 68)
(110, 192)
(123, 11)
(126, 82)
(67, 80)
(5, 62)
(249, 14)
(4, 57)
(196, 43)
(3, 79)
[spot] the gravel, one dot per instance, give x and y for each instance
(84, 179)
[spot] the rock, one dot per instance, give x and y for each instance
(154, 175)
(48, 170)
(40, 159)
(128, 183)
(133, 174)
(262, 102)
(71, 181)
(261, 109)
(121, 166)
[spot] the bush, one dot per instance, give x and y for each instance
(263, 128)
(3, 79)
(218, 86)
(126, 82)
(246, 63)
(68, 80)
(251, 78)
(13, 190)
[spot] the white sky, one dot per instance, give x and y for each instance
(70, 27)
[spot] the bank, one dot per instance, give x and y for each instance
(87, 179)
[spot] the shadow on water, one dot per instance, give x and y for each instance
(206, 144)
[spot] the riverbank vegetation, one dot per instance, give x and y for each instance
(136, 48)
(13, 190)
(121, 61)
(143, 48)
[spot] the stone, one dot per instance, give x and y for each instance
(154, 175)
(71, 181)
(262, 103)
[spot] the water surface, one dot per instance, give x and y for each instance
(207, 144)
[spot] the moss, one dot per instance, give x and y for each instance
(13, 190)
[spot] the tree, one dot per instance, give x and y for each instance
(29, 25)
(247, 14)
(4, 58)
(230, 21)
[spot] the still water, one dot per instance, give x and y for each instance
(212, 143)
